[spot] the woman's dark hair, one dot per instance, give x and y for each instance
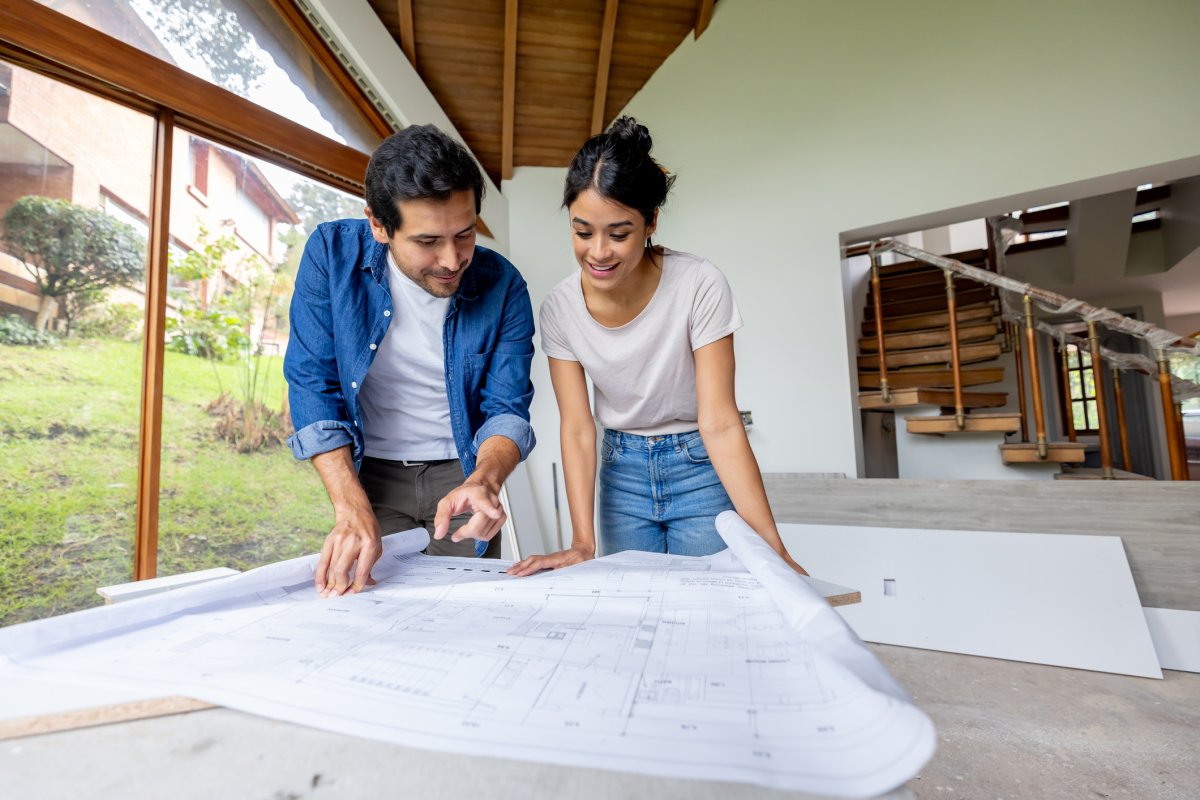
(418, 163)
(617, 164)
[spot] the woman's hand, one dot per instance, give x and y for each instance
(787, 557)
(576, 554)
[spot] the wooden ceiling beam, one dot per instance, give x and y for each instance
(408, 42)
(509, 105)
(602, 65)
(704, 14)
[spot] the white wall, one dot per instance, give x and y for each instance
(793, 124)
(540, 246)
(1186, 325)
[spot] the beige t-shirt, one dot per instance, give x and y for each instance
(644, 372)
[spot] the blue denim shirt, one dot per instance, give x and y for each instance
(343, 304)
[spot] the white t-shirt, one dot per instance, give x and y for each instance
(405, 409)
(644, 372)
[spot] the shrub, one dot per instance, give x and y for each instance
(113, 321)
(14, 330)
(253, 431)
(213, 334)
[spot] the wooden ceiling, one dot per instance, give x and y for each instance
(526, 82)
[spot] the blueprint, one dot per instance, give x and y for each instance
(728, 667)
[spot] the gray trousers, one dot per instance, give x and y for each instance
(406, 497)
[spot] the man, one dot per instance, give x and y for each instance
(408, 363)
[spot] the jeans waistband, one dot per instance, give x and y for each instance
(663, 441)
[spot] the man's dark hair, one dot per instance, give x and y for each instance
(418, 163)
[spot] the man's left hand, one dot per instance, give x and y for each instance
(485, 522)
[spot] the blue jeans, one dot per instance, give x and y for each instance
(659, 494)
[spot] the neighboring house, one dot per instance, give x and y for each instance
(49, 146)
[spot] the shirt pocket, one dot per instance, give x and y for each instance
(476, 372)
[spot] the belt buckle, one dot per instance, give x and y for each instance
(412, 463)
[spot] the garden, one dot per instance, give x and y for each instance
(230, 492)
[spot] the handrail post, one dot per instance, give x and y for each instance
(1122, 426)
(960, 417)
(1035, 382)
(877, 297)
(1178, 461)
(1070, 404)
(1015, 338)
(1106, 463)
(1185, 473)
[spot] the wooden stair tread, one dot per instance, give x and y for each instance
(931, 396)
(930, 304)
(967, 354)
(994, 422)
(918, 291)
(1056, 453)
(929, 321)
(1097, 474)
(928, 338)
(936, 377)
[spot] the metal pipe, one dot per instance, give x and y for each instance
(1122, 427)
(960, 417)
(1035, 382)
(1174, 450)
(877, 297)
(1016, 346)
(1106, 463)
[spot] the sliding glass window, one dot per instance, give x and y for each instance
(75, 179)
(231, 493)
(243, 46)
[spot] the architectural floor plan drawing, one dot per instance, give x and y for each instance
(727, 667)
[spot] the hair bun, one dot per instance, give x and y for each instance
(632, 133)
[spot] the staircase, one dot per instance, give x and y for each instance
(917, 354)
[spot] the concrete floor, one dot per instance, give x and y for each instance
(1013, 730)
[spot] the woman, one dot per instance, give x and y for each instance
(653, 329)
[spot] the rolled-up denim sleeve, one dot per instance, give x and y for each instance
(509, 426)
(315, 399)
(321, 437)
(507, 392)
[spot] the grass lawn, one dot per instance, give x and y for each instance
(68, 477)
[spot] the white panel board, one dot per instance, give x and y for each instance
(1176, 636)
(522, 525)
(1068, 601)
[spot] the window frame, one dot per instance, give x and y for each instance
(1069, 400)
(45, 41)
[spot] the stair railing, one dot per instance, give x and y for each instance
(1122, 427)
(1035, 381)
(877, 296)
(1174, 391)
(1016, 345)
(1161, 341)
(960, 414)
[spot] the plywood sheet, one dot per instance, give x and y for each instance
(1067, 601)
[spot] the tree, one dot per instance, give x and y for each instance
(210, 33)
(314, 204)
(73, 253)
